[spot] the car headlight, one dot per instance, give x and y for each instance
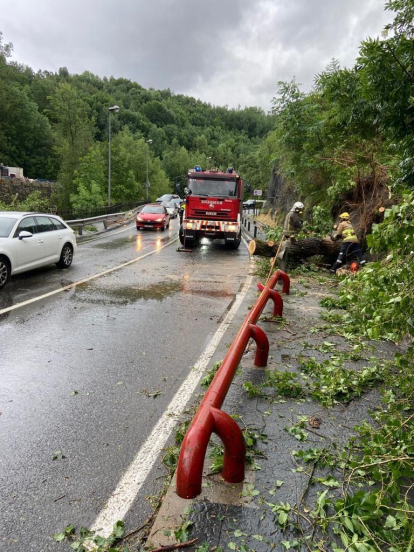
(231, 228)
(140, 219)
(189, 225)
(159, 220)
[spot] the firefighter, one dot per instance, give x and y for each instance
(293, 221)
(292, 226)
(181, 211)
(350, 245)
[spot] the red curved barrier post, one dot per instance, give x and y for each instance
(277, 300)
(234, 448)
(286, 281)
(209, 418)
(262, 349)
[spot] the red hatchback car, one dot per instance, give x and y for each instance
(153, 215)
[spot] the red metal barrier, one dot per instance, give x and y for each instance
(209, 418)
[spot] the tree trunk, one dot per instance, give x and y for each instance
(300, 249)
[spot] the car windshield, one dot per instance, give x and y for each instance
(6, 224)
(207, 187)
(153, 210)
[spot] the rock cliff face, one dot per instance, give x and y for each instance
(280, 197)
(9, 188)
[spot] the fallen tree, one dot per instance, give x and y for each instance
(299, 249)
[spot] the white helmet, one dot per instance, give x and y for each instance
(298, 206)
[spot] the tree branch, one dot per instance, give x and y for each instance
(409, 75)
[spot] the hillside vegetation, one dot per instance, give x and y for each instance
(55, 126)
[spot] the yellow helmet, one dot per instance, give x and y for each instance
(344, 216)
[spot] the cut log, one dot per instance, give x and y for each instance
(300, 249)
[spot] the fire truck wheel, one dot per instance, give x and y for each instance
(234, 244)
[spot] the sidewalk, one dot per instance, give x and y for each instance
(257, 515)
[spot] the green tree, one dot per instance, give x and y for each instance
(74, 136)
(90, 181)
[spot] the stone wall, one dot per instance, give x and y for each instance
(9, 187)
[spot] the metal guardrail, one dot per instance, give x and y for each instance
(80, 223)
(100, 211)
(209, 417)
(256, 225)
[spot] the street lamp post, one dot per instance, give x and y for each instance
(148, 142)
(113, 109)
(208, 159)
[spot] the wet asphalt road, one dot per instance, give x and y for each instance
(77, 368)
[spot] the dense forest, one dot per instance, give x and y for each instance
(55, 126)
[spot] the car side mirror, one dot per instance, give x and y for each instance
(24, 234)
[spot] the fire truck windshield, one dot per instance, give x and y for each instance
(210, 187)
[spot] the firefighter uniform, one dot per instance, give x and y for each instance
(293, 225)
(350, 245)
(181, 211)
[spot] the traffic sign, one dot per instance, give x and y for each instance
(258, 192)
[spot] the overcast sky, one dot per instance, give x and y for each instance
(226, 52)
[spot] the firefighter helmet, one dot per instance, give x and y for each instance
(298, 206)
(344, 216)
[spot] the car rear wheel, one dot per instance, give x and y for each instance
(66, 257)
(4, 271)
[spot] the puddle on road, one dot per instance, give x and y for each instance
(129, 240)
(210, 292)
(131, 294)
(128, 294)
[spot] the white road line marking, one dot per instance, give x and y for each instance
(70, 286)
(131, 482)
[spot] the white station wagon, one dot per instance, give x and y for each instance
(31, 240)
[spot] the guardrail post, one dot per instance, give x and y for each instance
(193, 451)
(277, 300)
(105, 223)
(262, 350)
(248, 226)
(285, 279)
(255, 231)
(80, 229)
(234, 448)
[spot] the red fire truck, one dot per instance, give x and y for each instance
(213, 207)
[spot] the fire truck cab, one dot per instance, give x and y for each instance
(213, 207)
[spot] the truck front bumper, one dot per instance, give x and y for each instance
(212, 228)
